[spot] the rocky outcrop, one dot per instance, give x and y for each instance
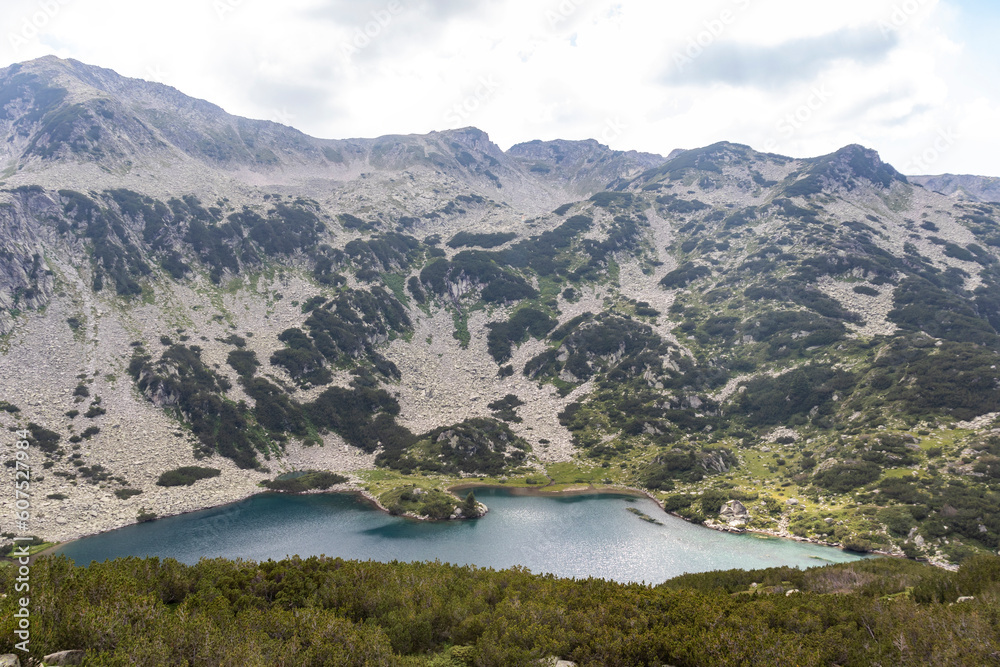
(734, 514)
(25, 280)
(716, 461)
(553, 661)
(9, 660)
(64, 658)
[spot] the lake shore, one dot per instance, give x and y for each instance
(547, 490)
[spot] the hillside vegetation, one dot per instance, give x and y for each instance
(322, 611)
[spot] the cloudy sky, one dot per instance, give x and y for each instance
(918, 80)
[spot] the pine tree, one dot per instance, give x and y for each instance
(470, 507)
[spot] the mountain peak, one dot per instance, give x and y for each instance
(472, 138)
(588, 165)
(849, 168)
(48, 63)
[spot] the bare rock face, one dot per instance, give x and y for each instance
(25, 281)
(735, 514)
(716, 462)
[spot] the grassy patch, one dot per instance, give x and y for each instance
(428, 502)
(461, 332)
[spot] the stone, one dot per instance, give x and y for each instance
(734, 513)
(64, 658)
(826, 465)
(9, 660)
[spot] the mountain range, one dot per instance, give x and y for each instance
(190, 298)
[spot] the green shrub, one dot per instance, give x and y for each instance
(491, 240)
(505, 407)
(684, 275)
(503, 336)
(94, 411)
(303, 481)
(42, 438)
(186, 475)
(847, 476)
(244, 362)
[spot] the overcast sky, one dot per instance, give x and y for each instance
(918, 80)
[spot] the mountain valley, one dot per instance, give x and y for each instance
(194, 304)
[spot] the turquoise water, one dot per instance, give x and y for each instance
(569, 536)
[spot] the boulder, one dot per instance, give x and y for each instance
(9, 660)
(825, 465)
(734, 513)
(64, 658)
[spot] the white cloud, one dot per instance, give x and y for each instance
(800, 78)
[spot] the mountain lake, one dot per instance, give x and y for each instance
(580, 536)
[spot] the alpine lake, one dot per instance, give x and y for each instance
(601, 535)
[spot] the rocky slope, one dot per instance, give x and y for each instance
(815, 339)
(582, 167)
(974, 188)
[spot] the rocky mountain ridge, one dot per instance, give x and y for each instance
(973, 188)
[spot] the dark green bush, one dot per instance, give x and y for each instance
(307, 480)
(847, 476)
(482, 240)
(186, 475)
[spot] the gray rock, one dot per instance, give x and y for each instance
(9, 660)
(64, 658)
(825, 465)
(734, 513)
